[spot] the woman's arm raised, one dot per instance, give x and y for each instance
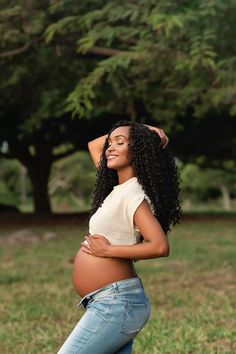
(95, 146)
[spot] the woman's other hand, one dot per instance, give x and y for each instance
(96, 245)
(161, 133)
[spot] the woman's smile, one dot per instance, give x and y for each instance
(117, 153)
(112, 157)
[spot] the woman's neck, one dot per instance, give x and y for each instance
(123, 176)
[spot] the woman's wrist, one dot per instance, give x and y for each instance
(109, 251)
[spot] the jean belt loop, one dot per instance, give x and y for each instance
(117, 287)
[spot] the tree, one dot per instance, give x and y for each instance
(174, 61)
(35, 81)
(34, 125)
(72, 180)
(208, 183)
(152, 52)
(104, 60)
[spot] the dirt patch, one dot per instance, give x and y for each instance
(223, 345)
(26, 236)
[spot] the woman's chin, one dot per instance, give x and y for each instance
(111, 166)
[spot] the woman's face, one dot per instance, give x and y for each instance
(117, 153)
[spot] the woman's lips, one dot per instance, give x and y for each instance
(112, 157)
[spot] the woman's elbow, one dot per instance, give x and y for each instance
(166, 251)
(163, 250)
(90, 143)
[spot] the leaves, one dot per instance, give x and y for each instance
(177, 46)
(166, 56)
(63, 26)
(165, 23)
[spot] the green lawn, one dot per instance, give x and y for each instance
(192, 292)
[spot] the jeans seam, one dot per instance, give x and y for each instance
(127, 304)
(107, 314)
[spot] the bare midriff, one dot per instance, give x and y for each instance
(91, 273)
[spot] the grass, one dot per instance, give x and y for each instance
(192, 292)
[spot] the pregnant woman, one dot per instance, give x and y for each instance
(135, 201)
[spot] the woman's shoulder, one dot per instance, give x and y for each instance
(129, 189)
(130, 185)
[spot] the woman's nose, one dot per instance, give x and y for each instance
(110, 148)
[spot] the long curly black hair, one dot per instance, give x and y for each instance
(154, 168)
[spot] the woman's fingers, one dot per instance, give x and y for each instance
(161, 133)
(95, 245)
(165, 141)
(163, 136)
(86, 250)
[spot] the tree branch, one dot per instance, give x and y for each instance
(16, 51)
(107, 52)
(128, 40)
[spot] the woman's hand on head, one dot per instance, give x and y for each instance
(161, 133)
(96, 245)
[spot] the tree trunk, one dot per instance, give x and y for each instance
(225, 197)
(23, 185)
(39, 172)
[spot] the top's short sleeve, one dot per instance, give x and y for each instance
(132, 205)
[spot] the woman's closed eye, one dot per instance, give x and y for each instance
(118, 143)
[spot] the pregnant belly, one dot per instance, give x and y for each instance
(91, 273)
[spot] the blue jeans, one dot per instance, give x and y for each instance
(114, 316)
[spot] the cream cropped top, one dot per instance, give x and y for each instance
(115, 217)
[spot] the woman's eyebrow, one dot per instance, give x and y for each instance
(117, 136)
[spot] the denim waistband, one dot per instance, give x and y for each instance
(119, 286)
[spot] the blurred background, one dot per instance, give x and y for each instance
(70, 70)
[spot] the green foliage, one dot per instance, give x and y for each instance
(153, 52)
(183, 57)
(205, 184)
(63, 27)
(10, 187)
(71, 182)
(94, 59)
(165, 24)
(83, 94)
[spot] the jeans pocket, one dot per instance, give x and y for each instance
(136, 316)
(101, 306)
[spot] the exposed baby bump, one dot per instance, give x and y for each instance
(91, 273)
